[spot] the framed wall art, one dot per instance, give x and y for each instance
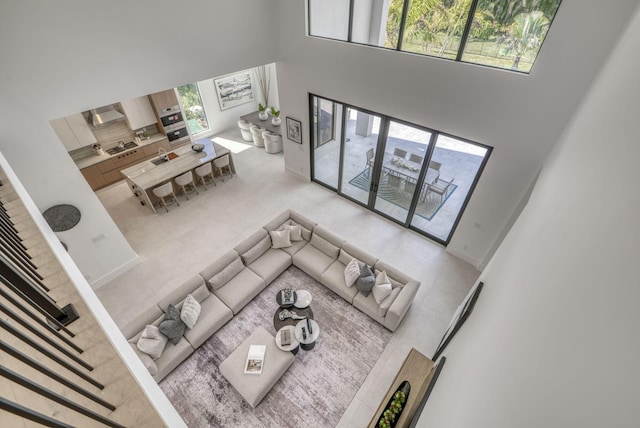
(294, 130)
(234, 89)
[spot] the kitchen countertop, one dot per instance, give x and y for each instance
(147, 175)
(96, 158)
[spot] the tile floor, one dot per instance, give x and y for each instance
(176, 245)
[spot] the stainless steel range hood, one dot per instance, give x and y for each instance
(104, 115)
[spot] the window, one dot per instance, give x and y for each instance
(193, 108)
(504, 33)
(417, 177)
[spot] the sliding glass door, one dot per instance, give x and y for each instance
(417, 177)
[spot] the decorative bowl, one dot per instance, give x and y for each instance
(198, 147)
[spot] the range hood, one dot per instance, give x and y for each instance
(104, 115)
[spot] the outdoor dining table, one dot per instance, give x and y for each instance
(408, 170)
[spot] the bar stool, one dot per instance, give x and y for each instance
(163, 192)
(221, 163)
(256, 131)
(203, 171)
(186, 183)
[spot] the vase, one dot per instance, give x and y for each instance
(263, 115)
(275, 121)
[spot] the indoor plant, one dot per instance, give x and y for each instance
(262, 115)
(276, 116)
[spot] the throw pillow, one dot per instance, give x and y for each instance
(351, 272)
(386, 303)
(225, 275)
(190, 311)
(172, 326)
(295, 231)
(280, 238)
(152, 341)
(256, 251)
(382, 287)
(365, 281)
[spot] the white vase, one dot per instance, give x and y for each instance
(263, 115)
(275, 121)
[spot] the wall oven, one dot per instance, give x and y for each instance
(178, 135)
(174, 124)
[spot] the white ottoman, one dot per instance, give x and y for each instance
(254, 388)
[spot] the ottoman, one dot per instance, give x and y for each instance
(253, 388)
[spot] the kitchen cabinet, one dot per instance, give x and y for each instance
(138, 112)
(73, 131)
(151, 150)
(164, 99)
(94, 177)
(128, 158)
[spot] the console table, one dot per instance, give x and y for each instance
(418, 370)
(266, 124)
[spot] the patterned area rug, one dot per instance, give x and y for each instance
(314, 392)
(425, 209)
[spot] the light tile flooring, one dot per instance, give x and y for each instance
(176, 245)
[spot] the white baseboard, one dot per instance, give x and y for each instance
(467, 258)
(115, 273)
(297, 174)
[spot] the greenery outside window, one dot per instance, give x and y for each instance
(191, 101)
(504, 34)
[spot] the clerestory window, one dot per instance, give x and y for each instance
(506, 34)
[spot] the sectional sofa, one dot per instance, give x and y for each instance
(225, 286)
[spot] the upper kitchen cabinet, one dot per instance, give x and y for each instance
(73, 131)
(164, 99)
(138, 112)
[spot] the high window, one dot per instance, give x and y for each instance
(193, 108)
(497, 33)
(415, 176)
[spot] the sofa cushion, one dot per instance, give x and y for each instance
(226, 274)
(132, 330)
(292, 217)
(172, 326)
(213, 315)
(190, 311)
(148, 362)
(352, 252)
(333, 279)
(388, 301)
(256, 251)
(366, 280)
(280, 238)
(369, 306)
(325, 246)
(193, 286)
(151, 342)
(382, 287)
(240, 290)
(351, 272)
(271, 264)
(218, 265)
(172, 357)
(313, 261)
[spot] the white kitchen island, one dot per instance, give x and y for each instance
(142, 178)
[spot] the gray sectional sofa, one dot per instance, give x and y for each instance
(225, 286)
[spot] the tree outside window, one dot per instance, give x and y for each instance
(193, 108)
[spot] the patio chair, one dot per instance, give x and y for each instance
(400, 153)
(440, 187)
(416, 159)
(435, 165)
(394, 181)
(409, 187)
(370, 156)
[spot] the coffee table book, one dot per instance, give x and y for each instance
(255, 359)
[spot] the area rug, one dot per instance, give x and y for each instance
(426, 209)
(314, 392)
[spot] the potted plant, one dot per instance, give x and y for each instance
(276, 116)
(262, 115)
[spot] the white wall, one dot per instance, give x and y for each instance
(553, 340)
(521, 116)
(68, 56)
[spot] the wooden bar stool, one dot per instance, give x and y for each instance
(186, 183)
(221, 163)
(204, 171)
(163, 192)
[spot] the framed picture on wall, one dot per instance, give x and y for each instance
(234, 89)
(294, 130)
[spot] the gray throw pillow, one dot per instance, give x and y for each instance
(365, 281)
(172, 326)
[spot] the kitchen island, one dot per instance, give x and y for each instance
(145, 176)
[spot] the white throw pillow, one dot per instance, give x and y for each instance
(280, 238)
(295, 231)
(351, 272)
(190, 311)
(382, 287)
(152, 342)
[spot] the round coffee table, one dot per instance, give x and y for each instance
(303, 299)
(307, 340)
(286, 305)
(278, 323)
(294, 346)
